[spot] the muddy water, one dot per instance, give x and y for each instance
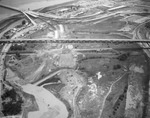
(26, 4)
(34, 4)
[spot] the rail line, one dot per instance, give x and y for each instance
(47, 40)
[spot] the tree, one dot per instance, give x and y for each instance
(147, 25)
(14, 106)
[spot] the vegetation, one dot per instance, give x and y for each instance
(12, 103)
(147, 25)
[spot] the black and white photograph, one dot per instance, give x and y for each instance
(74, 58)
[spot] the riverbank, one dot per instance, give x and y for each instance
(28, 4)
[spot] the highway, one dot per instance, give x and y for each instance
(141, 36)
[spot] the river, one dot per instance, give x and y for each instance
(27, 4)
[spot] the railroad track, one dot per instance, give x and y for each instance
(47, 40)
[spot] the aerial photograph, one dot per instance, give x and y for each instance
(74, 58)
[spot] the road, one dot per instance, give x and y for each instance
(48, 77)
(141, 36)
